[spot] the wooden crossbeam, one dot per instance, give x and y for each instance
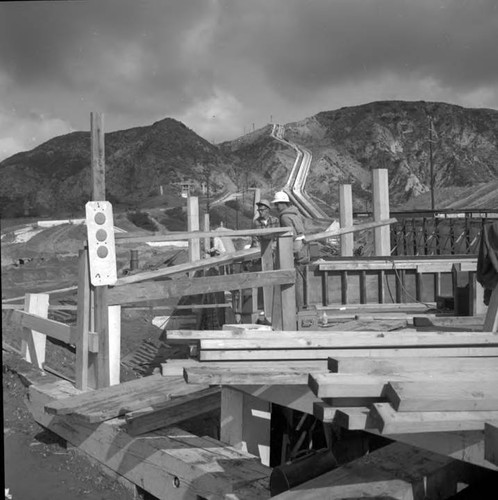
(347, 230)
(220, 260)
(328, 413)
(116, 400)
(193, 235)
(392, 263)
(49, 327)
(173, 411)
(363, 339)
(139, 292)
(389, 421)
(393, 365)
(281, 354)
(452, 395)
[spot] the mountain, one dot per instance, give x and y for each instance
(54, 178)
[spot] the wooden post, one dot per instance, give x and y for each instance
(346, 218)
(381, 211)
(287, 292)
(98, 156)
(194, 247)
(207, 239)
(245, 423)
(33, 343)
(267, 265)
(83, 325)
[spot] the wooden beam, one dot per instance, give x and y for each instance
(260, 354)
(139, 292)
(44, 326)
(245, 375)
(173, 411)
(454, 395)
(393, 365)
(346, 218)
(220, 260)
(380, 191)
(267, 265)
(33, 341)
(395, 471)
(175, 367)
(116, 400)
(388, 421)
(359, 227)
(328, 413)
(192, 235)
(340, 339)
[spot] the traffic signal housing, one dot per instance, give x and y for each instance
(101, 245)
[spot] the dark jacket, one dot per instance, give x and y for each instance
(290, 217)
(487, 259)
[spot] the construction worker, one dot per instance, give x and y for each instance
(289, 216)
(263, 221)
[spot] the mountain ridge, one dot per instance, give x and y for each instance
(346, 144)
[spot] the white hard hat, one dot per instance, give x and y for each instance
(281, 197)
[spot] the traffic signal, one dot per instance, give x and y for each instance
(101, 247)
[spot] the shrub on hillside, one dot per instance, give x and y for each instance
(141, 220)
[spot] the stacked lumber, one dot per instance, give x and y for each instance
(390, 382)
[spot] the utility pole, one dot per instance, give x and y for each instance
(431, 164)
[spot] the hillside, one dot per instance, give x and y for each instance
(54, 178)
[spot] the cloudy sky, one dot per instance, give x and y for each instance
(223, 67)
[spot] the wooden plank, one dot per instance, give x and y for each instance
(335, 385)
(455, 395)
(358, 227)
(187, 235)
(44, 326)
(267, 265)
(395, 471)
(173, 411)
(174, 367)
(247, 375)
(491, 442)
(380, 192)
(34, 341)
(346, 218)
(392, 365)
(170, 463)
(194, 244)
(139, 292)
(340, 339)
(114, 329)
(116, 400)
(388, 421)
(260, 354)
(220, 260)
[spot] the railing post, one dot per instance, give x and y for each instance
(381, 211)
(194, 245)
(346, 218)
(33, 343)
(83, 325)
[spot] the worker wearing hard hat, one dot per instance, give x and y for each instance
(290, 217)
(263, 220)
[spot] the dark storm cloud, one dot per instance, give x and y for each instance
(312, 44)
